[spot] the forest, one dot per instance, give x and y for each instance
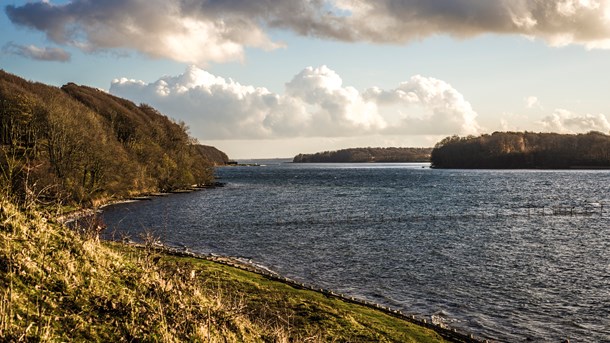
(364, 155)
(79, 144)
(524, 150)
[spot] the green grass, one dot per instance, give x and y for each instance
(60, 285)
(303, 314)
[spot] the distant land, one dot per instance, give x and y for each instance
(524, 150)
(367, 155)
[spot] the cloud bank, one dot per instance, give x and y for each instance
(564, 121)
(444, 109)
(315, 104)
(182, 30)
(37, 53)
(197, 32)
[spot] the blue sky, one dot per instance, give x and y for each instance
(274, 79)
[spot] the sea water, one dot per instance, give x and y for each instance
(507, 255)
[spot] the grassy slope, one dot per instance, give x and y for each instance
(59, 285)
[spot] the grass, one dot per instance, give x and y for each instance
(57, 284)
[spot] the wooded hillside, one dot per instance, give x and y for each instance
(509, 150)
(367, 155)
(217, 157)
(78, 143)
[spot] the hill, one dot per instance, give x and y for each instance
(212, 154)
(510, 150)
(79, 144)
(362, 155)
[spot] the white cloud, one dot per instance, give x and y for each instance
(37, 53)
(212, 106)
(315, 104)
(197, 32)
(564, 121)
(569, 8)
(504, 125)
(180, 30)
(559, 23)
(335, 109)
(532, 102)
(444, 109)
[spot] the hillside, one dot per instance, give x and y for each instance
(362, 155)
(212, 154)
(509, 150)
(79, 144)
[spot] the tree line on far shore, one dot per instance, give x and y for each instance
(79, 144)
(367, 155)
(499, 150)
(523, 150)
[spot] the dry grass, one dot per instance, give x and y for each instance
(60, 285)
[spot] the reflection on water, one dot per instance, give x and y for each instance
(508, 255)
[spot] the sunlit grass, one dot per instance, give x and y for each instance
(59, 285)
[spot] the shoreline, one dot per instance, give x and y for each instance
(445, 331)
(448, 333)
(71, 216)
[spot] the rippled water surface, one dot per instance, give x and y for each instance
(507, 255)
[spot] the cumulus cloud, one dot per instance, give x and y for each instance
(335, 109)
(315, 104)
(532, 102)
(444, 109)
(213, 106)
(197, 31)
(564, 121)
(37, 53)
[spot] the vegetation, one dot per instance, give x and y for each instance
(215, 156)
(367, 155)
(524, 150)
(79, 144)
(58, 284)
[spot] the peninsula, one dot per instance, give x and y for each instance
(524, 150)
(367, 155)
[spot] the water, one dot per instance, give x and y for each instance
(480, 251)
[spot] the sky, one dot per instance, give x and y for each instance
(271, 78)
